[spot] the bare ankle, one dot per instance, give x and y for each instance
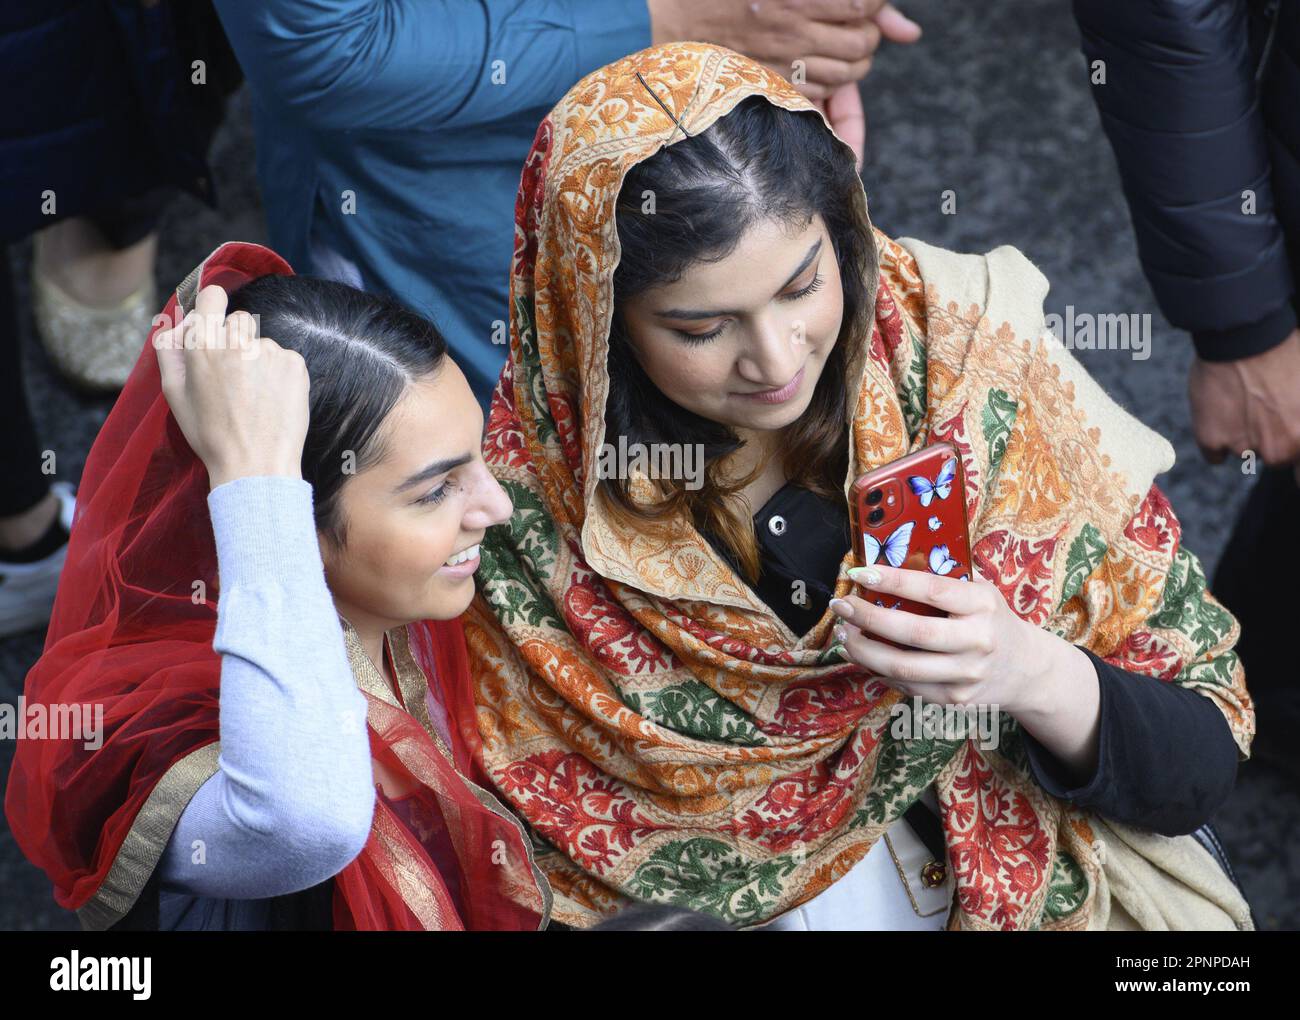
(75, 255)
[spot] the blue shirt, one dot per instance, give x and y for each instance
(396, 130)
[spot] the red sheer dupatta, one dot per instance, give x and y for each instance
(466, 863)
(132, 631)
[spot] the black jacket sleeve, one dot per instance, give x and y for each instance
(1181, 108)
(1166, 760)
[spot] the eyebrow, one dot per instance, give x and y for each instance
(690, 313)
(438, 467)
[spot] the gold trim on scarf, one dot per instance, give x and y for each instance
(366, 673)
(413, 684)
(414, 880)
(147, 838)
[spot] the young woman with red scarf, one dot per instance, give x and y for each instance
(275, 540)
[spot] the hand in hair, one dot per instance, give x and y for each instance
(240, 400)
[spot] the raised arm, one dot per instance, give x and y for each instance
(292, 802)
(293, 798)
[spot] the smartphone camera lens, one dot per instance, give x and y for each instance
(873, 497)
(876, 516)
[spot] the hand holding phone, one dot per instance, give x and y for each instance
(911, 514)
(947, 642)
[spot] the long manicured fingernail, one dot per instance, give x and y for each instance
(864, 575)
(841, 608)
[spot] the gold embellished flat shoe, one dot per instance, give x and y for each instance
(93, 348)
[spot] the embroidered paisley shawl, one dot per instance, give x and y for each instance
(663, 733)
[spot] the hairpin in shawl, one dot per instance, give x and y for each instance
(662, 106)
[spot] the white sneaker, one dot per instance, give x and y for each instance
(27, 589)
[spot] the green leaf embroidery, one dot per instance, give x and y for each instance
(708, 875)
(912, 391)
(903, 768)
(1086, 552)
(997, 420)
(1185, 608)
(1067, 887)
(696, 710)
(530, 365)
(517, 553)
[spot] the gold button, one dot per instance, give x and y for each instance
(933, 875)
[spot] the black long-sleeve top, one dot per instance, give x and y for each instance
(1166, 757)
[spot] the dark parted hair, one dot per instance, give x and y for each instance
(361, 351)
(758, 162)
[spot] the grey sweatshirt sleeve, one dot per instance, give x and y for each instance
(292, 801)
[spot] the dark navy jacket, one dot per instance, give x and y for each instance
(1193, 131)
(99, 104)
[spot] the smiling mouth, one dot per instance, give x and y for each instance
(779, 394)
(464, 556)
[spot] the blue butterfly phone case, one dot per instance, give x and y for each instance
(912, 514)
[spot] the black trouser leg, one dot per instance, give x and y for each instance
(1255, 580)
(132, 220)
(20, 454)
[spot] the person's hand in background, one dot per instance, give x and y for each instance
(843, 107)
(824, 46)
(1251, 404)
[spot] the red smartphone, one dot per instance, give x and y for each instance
(912, 514)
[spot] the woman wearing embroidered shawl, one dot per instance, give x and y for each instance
(666, 736)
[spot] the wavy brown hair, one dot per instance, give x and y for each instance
(758, 162)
